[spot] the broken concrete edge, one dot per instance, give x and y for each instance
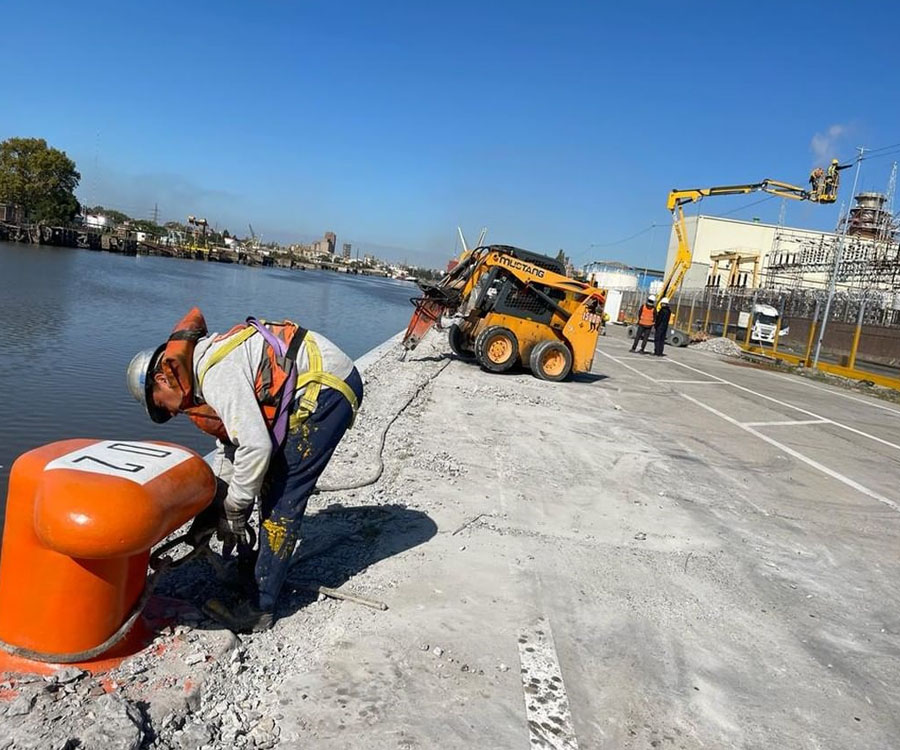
(378, 352)
(197, 685)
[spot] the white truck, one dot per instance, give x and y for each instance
(764, 323)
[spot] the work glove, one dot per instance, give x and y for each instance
(232, 529)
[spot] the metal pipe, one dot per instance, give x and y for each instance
(708, 308)
(690, 327)
(727, 315)
(777, 334)
(778, 328)
(854, 347)
(812, 335)
(838, 255)
(750, 321)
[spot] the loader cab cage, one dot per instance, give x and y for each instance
(516, 300)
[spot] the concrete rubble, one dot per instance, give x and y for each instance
(200, 686)
(721, 345)
(703, 590)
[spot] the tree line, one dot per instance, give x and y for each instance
(40, 179)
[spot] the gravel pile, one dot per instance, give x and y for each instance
(723, 346)
(200, 686)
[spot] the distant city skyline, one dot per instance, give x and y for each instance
(558, 126)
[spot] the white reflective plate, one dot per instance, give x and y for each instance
(135, 461)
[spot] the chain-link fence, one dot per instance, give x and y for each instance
(863, 328)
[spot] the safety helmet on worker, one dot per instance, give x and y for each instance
(651, 298)
(139, 377)
(834, 161)
(664, 301)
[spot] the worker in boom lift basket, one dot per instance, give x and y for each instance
(278, 399)
(833, 176)
(816, 178)
(646, 321)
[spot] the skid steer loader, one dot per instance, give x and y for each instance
(513, 306)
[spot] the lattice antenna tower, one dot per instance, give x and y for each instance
(887, 228)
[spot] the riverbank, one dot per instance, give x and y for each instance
(87, 314)
(622, 560)
(131, 242)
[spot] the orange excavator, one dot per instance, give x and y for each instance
(513, 306)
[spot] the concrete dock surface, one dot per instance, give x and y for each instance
(677, 552)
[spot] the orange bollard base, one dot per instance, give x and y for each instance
(155, 617)
(81, 518)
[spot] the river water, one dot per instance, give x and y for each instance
(70, 321)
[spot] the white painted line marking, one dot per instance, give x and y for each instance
(625, 364)
(799, 456)
(803, 381)
(693, 382)
(791, 406)
(786, 423)
(546, 702)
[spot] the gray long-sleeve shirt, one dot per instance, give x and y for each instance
(228, 388)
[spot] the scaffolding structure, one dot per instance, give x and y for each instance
(870, 260)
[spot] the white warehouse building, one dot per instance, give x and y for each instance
(750, 254)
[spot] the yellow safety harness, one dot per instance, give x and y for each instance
(312, 380)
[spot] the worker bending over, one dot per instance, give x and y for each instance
(816, 177)
(646, 321)
(662, 326)
(278, 399)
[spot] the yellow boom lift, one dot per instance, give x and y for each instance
(823, 191)
(513, 306)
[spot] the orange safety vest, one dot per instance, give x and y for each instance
(273, 370)
(177, 365)
(646, 316)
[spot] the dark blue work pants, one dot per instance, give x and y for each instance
(290, 480)
(659, 341)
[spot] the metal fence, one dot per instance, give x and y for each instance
(861, 338)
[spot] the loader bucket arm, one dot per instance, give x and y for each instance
(437, 299)
(429, 308)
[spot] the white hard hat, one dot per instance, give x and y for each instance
(664, 301)
(139, 377)
(651, 298)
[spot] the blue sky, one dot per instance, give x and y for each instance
(556, 125)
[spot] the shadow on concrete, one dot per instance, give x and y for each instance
(337, 543)
(588, 377)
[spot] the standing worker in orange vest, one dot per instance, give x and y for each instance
(646, 321)
(278, 399)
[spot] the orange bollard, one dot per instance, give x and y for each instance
(81, 518)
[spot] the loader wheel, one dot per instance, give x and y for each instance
(551, 360)
(677, 338)
(496, 348)
(631, 331)
(456, 338)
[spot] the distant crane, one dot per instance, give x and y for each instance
(254, 237)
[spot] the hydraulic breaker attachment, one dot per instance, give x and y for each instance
(429, 309)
